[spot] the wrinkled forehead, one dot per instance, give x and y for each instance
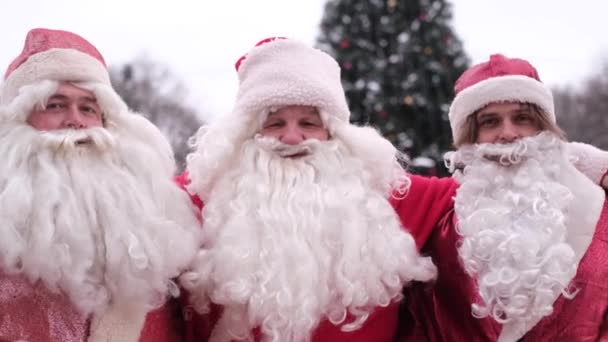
(291, 112)
(501, 107)
(36, 96)
(294, 110)
(69, 90)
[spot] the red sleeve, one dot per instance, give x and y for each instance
(164, 324)
(182, 181)
(602, 179)
(197, 327)
(604, 330)
(427, 200)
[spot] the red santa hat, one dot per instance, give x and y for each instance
(280, 72)
(500, 79)
(55, 55)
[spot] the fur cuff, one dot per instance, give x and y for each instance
(589, 160)
(119, 323)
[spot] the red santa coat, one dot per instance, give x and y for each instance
(32, 313)
(442, 311)
(426, 202)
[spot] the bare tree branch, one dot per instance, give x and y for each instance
(583, 113)
(151, 89)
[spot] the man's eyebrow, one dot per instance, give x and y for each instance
(89, 99)
(484, 114)
(58, 97)
(63, 97)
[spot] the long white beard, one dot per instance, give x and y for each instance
(289, 242)
(93, 214)
(511, 210)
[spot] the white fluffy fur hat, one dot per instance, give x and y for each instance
(279, 72)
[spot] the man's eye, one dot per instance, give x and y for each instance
(89, 110)
(524, 118)
(312, 123)
(54, 105)
(488, 122)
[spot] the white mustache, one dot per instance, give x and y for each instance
(70, 139)
(302, 149)
(505, 154)
(287, 151)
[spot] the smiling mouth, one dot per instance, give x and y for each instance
(296, 155)
(294, 152)
(84, 141)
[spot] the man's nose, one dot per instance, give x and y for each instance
(509, 133)
(74, 118)
(292, 135)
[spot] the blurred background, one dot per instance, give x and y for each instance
(173, 61)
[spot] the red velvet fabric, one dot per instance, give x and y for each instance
(497, 66)
(31, 312)
(164, 324)
(442, 311)
(40, 40)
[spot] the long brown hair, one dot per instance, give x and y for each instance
(470, 129)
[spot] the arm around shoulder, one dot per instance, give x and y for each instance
(425, 203)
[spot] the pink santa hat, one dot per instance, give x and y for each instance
(56, 55)
(279, 72)
(500, 79)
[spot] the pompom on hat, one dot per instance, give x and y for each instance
(500, 79)
(53, 55)
(280, 72)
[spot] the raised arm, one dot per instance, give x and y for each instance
(427, 200)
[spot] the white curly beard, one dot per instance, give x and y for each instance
(93, 214)
(291, 241)
(516, 214)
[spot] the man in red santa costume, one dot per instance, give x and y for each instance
(304, 213)
(523, 256)
(92, 227)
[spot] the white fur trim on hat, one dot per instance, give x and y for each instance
(38, 92)
(516, 88)
(287, 72)
(54, 64)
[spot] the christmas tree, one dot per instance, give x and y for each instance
(400, 60)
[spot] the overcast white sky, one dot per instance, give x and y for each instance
(201, 39)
